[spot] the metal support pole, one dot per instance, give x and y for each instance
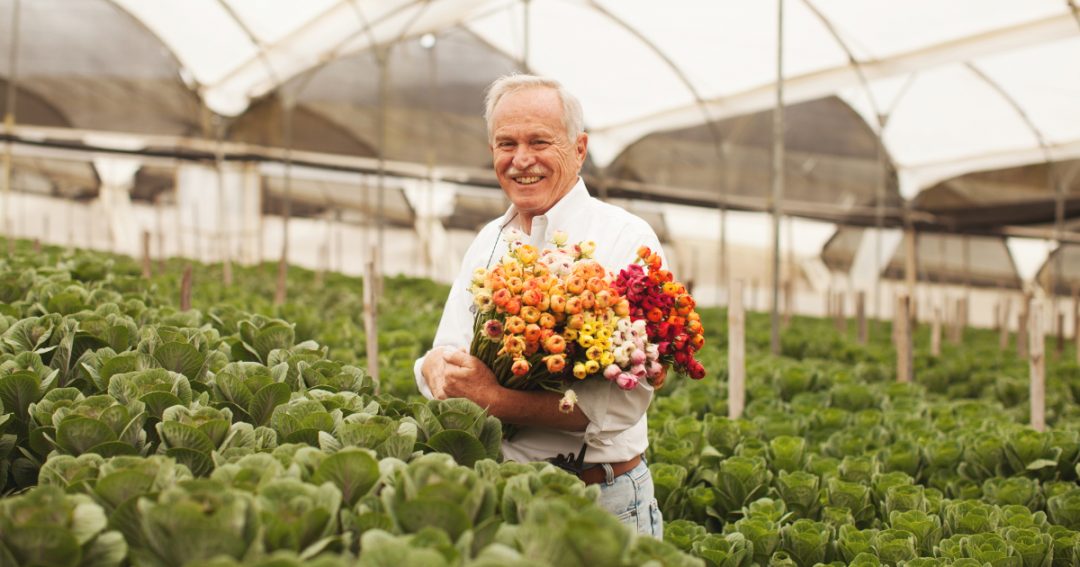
(9, 127)
(777, 179)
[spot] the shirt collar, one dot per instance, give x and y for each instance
(559, 215)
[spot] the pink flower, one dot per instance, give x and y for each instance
(612, 371)
(637, 357)
(626, 381)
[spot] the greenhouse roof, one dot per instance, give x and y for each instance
(954, 88)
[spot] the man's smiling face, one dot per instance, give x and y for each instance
(535, 161)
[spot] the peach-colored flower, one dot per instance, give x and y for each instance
(520, 367)
(532, 333)
(556, 363)
(555, 344)
(530, 314)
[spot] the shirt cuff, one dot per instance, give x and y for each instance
(421, 383)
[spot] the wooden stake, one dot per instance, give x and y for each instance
(736, 352)
(1038, 369)
(789, 300)
(37, 246)
(841, 315)
(280, 290)
(860, 314)
(146, 272)
(371, 322)
(1060, 335)
(185, 289)
(1022, 328)
(903, 334)
(1006, 311)
(935, 333)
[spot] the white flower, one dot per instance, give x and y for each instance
(558, 238)
(568, 401)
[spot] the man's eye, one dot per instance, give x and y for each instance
(506, 144)
(541, 143)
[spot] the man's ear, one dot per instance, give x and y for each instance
(581, 147)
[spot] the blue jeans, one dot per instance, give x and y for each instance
(630, 497)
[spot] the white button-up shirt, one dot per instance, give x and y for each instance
(617, 423)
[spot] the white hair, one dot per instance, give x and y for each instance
(573, 117)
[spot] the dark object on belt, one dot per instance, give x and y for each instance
(594, 474)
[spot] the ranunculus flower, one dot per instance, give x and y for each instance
(626, 381)
(520, 367)
(568, 401)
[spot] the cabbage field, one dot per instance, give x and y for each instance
(240, 433)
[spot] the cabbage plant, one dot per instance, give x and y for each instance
(47, 527)
(457, 427)
(434, 491)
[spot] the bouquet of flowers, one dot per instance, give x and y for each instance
(546, 318)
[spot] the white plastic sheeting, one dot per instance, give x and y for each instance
(965, 84)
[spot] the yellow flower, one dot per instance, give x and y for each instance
(579, 371)
(591, 367)
(587, 248)
(585, 340)
(558, 238)
(594, 353)
(570, 334)
(607, 359)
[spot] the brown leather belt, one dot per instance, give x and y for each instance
(595, 474)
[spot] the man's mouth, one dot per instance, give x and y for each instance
(528, 180)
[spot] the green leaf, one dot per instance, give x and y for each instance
(113, 448)
(459, 444)
(181, 358)
(76, 435)
(43, 546)
(18, 391)
(157, 402)
(414, 515)
(180, 435)
(352, 471)
(200, 464)
(66, 303)
(266, 399)
(275, 335)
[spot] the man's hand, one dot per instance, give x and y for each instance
(466, 376)
(454, 373)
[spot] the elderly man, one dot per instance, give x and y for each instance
(537, 139)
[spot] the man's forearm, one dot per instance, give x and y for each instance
(536, 408)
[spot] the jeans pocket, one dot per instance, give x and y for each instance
(656, 518)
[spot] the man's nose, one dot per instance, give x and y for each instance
(523, 157)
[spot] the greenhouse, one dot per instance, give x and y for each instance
(238, 241)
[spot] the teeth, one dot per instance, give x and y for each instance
(527, 180)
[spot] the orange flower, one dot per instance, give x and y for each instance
(555, 363)
(655, 315)
(515, 325)
(555, 344)
(596, 284)
(513, 306)
(520, 367)
(697, 341)
(574, 305)
(532, 333)
(558, 303)
(576, 322)
(603, 298)
(547, 320)
(494, 282)
(514, 284)
(513, 344)
(643, 252)
(501, 297)
(622, 308)
(575, 284)
(530, 314)
(588, 299)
